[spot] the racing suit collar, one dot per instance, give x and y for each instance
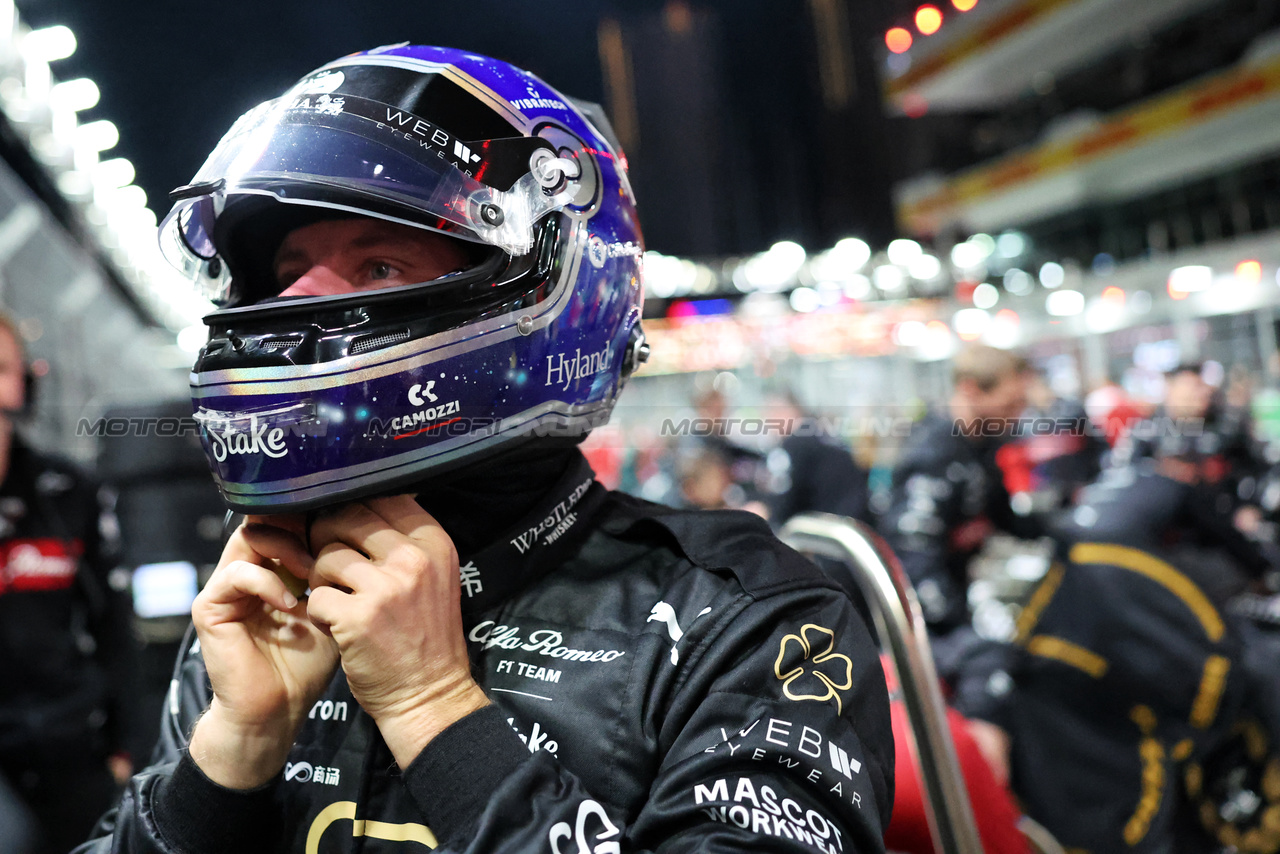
(539, 542)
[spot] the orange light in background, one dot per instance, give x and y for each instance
(928, 20)
(1175, 293)
(1007, 315)
(898, 40)
(1115, 296)
(1249, 272)
(964, 5)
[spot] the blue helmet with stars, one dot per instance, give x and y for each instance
(309, 401)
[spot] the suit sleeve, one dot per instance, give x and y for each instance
(778, 740)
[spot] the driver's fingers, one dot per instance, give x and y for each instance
(285, 548)
(406, 515)
(341, 566)
(230, 585)
(357, 526)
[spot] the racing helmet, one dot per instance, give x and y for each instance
(312, 400)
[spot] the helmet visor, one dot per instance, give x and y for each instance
(350, 153)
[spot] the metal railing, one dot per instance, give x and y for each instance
(900, 626)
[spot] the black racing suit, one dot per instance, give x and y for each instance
(661, 680)
(948, 496)
(814, 473)
(65, 646)
(1127, 669)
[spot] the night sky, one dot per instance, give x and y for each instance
(174, 76)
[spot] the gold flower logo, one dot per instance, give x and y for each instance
(809, 673)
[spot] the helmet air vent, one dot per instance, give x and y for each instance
(377, 341)
(280, 343)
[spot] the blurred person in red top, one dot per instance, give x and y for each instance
(1113, 410)
(65, 645)
(1057, 453)
(948, 493)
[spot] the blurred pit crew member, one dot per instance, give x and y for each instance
(1192, 421)
(1060, 453)
(1113, 411)
(810, 471)
(706, 481)
(687, 466)
(948, 493)
(66, 651)
(711, 406)
(430, 263)
(1127, 668)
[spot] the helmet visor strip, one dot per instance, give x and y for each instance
(350, 153)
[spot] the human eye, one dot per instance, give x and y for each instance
(383, 273)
